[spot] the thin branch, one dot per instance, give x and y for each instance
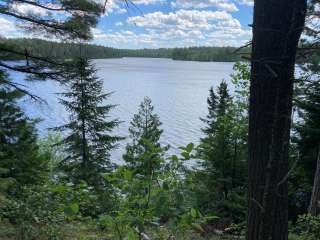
(16, 86)
(59, 28)
(28, 70)
(26, 53)
(244, 46)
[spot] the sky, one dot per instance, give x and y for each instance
(164, 23)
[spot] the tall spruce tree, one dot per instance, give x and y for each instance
(89, 139)
(145, 136)
(215, 149)
(20, 158)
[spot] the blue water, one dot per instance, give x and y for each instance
(178, 89)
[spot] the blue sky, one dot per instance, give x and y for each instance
(166, 23)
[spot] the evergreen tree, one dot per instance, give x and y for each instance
(144, 159)
(309, 140)
(19, 152)
(215, 148)
(145, 136)
(89, 139)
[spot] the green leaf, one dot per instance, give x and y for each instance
(186, 155)
(193, 213)
(197, 227)
(189, 147)
(175, 158)
(127, 175)
(72, 209)
(132, 235)
(208, 218)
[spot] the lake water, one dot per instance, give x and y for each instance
(178, 89)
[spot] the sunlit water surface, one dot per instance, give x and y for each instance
(178, 89)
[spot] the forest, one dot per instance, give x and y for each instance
(254, 175)
(63, 50)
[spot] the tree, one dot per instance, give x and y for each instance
(145, 136)
(215, 147)
(20, 158)
(144, 159)
(277, 28)
(309, 140)
(89, 140)
(220, 152)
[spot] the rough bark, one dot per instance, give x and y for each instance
(277, 29)
(314, 207)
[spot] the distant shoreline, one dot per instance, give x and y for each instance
(43, 48)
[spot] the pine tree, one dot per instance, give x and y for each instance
(145, 136)
(89, 139)
(20, 158)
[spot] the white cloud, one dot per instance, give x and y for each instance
(185, 20)
(148, 2)
(28, 9)
(119, 24)
(225, 5)
(180, 28)
(246, 2)
(152, 38)
(7, 26)
(114, 6)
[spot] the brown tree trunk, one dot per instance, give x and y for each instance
(314, 207)
(277, 28)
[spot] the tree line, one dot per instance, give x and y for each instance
(63, 50)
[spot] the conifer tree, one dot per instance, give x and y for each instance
(144, 159)
(215, 149)
(309, 140)
(89, 139)
(145, 136)
(20, 158)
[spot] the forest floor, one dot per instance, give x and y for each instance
(84, 232)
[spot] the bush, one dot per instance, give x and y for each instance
(308, 227)
(36, 214)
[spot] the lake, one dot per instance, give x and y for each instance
(178, 89)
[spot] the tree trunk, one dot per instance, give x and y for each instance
(314, 207)
(277, 28)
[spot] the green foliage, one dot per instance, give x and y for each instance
(217, 54)
(19, 152)
(308, 227)
(89, 140)
(36, 213)
(223, 149)
(161, 206)
(144, 155)
(79, 17)
(50, 149)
